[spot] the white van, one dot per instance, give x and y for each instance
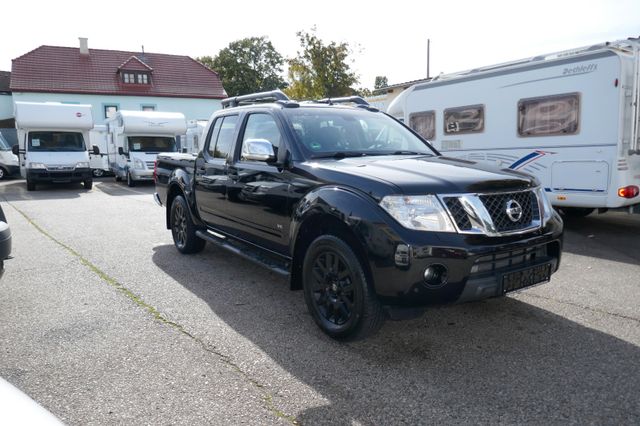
(192, 141)
(53, 142)
(569, 118)
(100, 162)
(135, 138)
(8, 160)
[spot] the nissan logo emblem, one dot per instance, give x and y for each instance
(514, 210)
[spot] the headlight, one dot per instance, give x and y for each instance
(419, 212)
(36, 166)
(138, 164)
(82, 165)
(546, 209)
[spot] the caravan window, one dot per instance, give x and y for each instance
(466, 119)
(549, 115)
(56, 141)
(424, 123)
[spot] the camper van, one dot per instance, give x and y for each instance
(134, 139)
(569, 118)
(192, 141)
(53, 142)
(8, 160)
(100, 162)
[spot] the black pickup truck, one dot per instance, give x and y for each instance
(357, 210)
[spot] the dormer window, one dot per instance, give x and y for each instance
(131, 77)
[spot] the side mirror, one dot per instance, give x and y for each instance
(258, 150)
(120, 151)
(96, 150)
(15, 149)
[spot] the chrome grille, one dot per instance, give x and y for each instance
(150, 164)
(458, 213)
(496, 205)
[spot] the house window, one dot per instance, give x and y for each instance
(424, 123)
(466, 119)
(110, 110)
(549, 115)
(136, 77)
(148, 107)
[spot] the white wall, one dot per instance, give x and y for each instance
(193, 109)
(6, 107)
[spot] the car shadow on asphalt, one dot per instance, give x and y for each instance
(497, 361)
(611, 236)
(16, 190)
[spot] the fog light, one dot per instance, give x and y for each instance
(435, 275)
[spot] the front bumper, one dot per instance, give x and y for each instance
(63, 176)
(475, 264)
(139, 174)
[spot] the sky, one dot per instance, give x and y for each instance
(387, 38)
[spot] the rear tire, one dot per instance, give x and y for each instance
(337, 292)
(183, 229)
(97, 172)
(3, 173)
(88, 184)
(31, 186)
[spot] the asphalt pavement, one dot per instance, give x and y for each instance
(102, 321)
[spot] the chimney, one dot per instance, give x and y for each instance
(84, 45)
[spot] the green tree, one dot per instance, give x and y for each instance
(381, 81)
(247, 66)
(320, 70)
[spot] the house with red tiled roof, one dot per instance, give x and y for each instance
(112, 80)
(6, 102)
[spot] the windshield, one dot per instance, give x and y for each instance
(152, 144)
(343, 132)
(4, 145)
(56, 141)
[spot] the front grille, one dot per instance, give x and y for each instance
(496, 205)
(458, 213)
(510, 259)
(150, 164)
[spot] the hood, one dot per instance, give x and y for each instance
(411, 175)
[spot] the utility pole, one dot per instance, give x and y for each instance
(428, 55)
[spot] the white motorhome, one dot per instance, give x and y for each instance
(8, 160)
(134, 139)
(53, 142)
(570, 118)
(100, 162)
(192, 140)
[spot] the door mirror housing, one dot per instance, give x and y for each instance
(120, 151)
(96, 150)
(15, 149)
(258, 150)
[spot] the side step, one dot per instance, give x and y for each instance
(245, 251)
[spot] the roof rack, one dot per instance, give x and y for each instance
(274, 95)
(349, 99)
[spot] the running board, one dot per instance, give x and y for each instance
(246, 252)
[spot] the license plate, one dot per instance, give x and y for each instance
(525, 278)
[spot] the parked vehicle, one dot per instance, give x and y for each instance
(5, 241)
(192, 140)
(100, 162)
(569, 118)
(358, 211)
(52, 142)
(8, 160)
(135, 138)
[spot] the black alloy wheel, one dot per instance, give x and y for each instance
(183, 229)
(337, 292)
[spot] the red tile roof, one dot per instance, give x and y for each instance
(55, 69)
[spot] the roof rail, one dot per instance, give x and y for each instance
(349, 99)
(274, 95)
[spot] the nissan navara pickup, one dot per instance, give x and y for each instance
(357, 210)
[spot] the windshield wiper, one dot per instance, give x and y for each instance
(403, 152)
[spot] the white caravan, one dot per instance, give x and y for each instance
(53, 142)
(570, 118)
(135, 138)
(192, 141)
(8, 160)
(100, 162)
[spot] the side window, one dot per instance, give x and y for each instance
(466, 119)
(549, 115)
(424, 123)
(262, 127)
(223, 136)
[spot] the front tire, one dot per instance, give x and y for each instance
(88, 184)
(31, 186)
(337, 292)
(3, 173)
(183, 229)
(130, 182)
(98, 172)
